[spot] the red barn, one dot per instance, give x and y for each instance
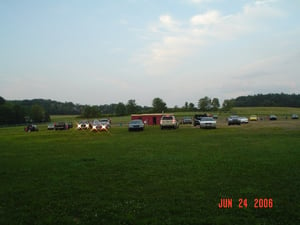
(150, 119)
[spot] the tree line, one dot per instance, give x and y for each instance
(268, 100)
(39, 110)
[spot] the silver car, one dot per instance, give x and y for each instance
(208, 122)
(136, 125)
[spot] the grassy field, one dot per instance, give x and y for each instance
(151, 177)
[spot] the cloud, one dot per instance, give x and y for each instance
(167, 20)
(177, 39)
(210, 17)
(199, 1)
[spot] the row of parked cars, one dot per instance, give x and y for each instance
(95, 125)
(166, 122)
(236, 120)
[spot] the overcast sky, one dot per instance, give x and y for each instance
(101, 52)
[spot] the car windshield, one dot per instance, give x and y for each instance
(136, 122)
(96, 122)
(207, 119)
(167, 118)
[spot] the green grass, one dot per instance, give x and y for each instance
(151, 177)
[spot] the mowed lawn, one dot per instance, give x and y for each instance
(151, 177)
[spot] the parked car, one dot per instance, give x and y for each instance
(168, 121)
(208, 122)
(234, 120)
(105, 122)
(215, 116)
(197, 118)
(187, 120)
(95, 125)
(83, 125)
(70, 125)
(51, 126)
(31, 127)
(244, 120)
(272, 117)
(253, 118)
(295, 117)
(60, 126)
(136, 125)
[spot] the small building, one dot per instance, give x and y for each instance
(149, 119)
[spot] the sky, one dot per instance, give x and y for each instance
(109, 51)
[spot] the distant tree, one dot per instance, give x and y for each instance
(47, 117)
(227, 105)
(264, 100)
(37, 113)
(120, 109)
(6, 114)
(2, 100)
(215, 104)
(186, 106)
(91, 112)
(131, 106)
(19, 114)
(176, 108)
(204, 104)
(159, 105)
(191, 107)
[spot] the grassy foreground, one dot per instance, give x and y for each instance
(151, 177)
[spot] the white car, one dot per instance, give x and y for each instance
(168, 121)
(244, 120)
(208, 122)
(105, 122)
(83, 125)
(95, 125)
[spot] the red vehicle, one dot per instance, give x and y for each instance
(31, 127)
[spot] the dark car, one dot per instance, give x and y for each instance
(31, 127)
(62, 126)
(234, 120)
(59, 126)
(70, 125)
(187, 120)
(136, 125)
(272, 117)
(197, 118)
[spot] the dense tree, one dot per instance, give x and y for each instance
(159, 105)
(263, 100)
(120, 109)
(215, 104)
(204, 104)
(37, 113)
(19, 114)
(186, 106)
(91, 112)
(2, 100)
(131, 107)
(6, 114)
(191, 107)
(227, 105)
